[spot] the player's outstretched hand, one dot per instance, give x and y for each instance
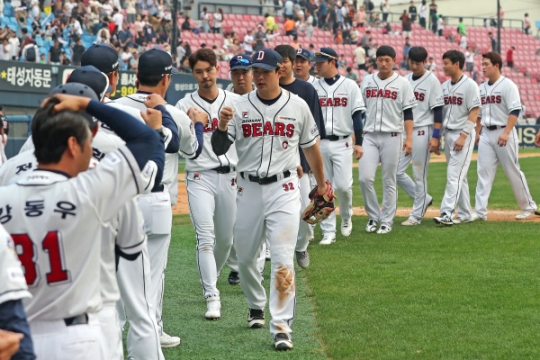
(435, 146)
(9, 344)
(477, 140)
(154, 100)
(537, 139)
(152, 118)
(503, 139)
(70, 102)
(225, 116)
(358, 152)
(196, 115)
(407, 146)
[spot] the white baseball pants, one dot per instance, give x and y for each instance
(305, 231)
(384, 148)
(3, 157)
(157, 213)
(232, 261)
(457, 186)
(417, 189)
(135, 303)
(55, 340)
(111, 332)
(337, 163)
(212, 207)
(270, 210)
(490, 154)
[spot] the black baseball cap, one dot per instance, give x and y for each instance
(78, 90)
(304, 53)
(325, 54)
(102, 56)
(155, 62)
(240, 62)
(267, 59)
(89, 75)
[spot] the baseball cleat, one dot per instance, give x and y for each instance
(384, 229)
(168, 341)
(346, 227)
(213, 304)
(524, 215)
(371, 226)
(476, 217)
(537, 212)
(430, 202)
(282, 342)
(328, 239)
(443, 220)
(255, 318)
(411, 222)
(268, 257)
(234, 279)
(302, 258)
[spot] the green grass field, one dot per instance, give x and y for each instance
(465, 292)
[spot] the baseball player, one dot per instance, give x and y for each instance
(427, 119)
(13, 290)
(267, 126)
(461, 105)
(498, 139)
(4, 131)
(389, 102)
(210, 181)
(154, 76)
(55, 216)
(342, 107)
(309, 95)
(302, 65)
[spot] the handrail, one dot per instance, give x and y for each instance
(236, 8)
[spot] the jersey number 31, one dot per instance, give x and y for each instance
(52, 244)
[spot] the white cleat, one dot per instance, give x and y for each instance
(328, 239)
(213, 305)
(384, 229)
(168, 341)
(444, 220)
(346, 227)
(411, 222)
(524, 215)
(459, 220)
(371, 226)
(476, 217)
(268, 256)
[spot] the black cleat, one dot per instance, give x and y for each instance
(282, 342)
(255, 318)
(234, 279)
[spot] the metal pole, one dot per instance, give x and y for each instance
(174, 31)
(499, 26)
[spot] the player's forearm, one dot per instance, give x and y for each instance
(314, 159)
(220, 142)
(13, 318)
(167, 121)
(358, 128)
(512, 121)
(409, 125)
(471, 120)
(478, 125)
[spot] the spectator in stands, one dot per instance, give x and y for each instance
(440, 25)
(406, 24)
(205, 20)
(510, 57)
(259, 38)
(433, 16)
(125, 37)
(76, 52)
(118, 18)
(54, 53)
(351, 74)
(151, 6)
(365, 39)
(361, 16)
(412, 11)
(461, 27)
(125, 57)
(131, 11)
(501, 15)
(370, 7)
(218, 21)
(237, 49)
(294, 43)
(322, 13)
(186, 26)
(42, 59)
(138, 25)
(339, 18)
(360, 57)
(526, 24)
(431, 65)
(354, 36)
(107, 8)
(64, 59)
(104, 37)
(312, 8)
(423, 14)
(494, 46)
(486, 23)
(309, 24)
(331, 19)
(290, 27)
(270, 23)
(5, 49)
(463, 41)
(144, 47)
(288, 9)
(385, 8)
(469, 60)
(228, 41)
(338, 38)
(406, 50)
(248, 42)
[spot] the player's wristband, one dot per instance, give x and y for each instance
(160, 132)
(464, 133)
(436, 133)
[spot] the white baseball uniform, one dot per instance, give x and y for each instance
(459, 99)
(311, 79)
(428, 93)
(13, 284)
(339, 102)
(267, 139)
(385, 100)
(211, 188)
(45, 212)
(498, 101)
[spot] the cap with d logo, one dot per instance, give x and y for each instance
(267, 59)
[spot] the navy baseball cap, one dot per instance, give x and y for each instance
(267, 59)
(304, 53)
(325, 54)
(102, 56)
(240, 62)
(155, 62)
(90, 75)
(78, 90)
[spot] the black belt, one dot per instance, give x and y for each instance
(77, 320)
(335, 138)
(266, 180)
(494, 127)
(158, 188)
(223, 169)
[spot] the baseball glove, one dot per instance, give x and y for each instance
(321, 205)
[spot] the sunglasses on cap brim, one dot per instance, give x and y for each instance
(240, 62)
(321, 54)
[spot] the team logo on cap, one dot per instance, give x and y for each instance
(299, 51)
(244, 114)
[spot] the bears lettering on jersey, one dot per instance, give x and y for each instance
(453, 100)
(257, 129)
(491, 99)
(419, 96)
(211, 125)
(333, 101)
(387, 94)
